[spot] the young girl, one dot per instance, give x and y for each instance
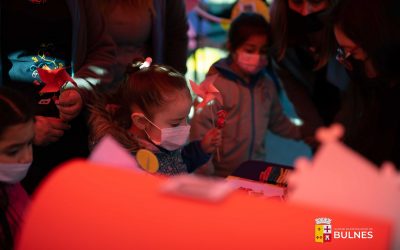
(16, 136)
(249, 97)
(149, 110)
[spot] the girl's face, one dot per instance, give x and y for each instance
(16, 143)
(173, 114)
(255, 48)
(307, 7)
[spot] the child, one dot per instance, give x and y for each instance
(16, 136)
(152, 107)
(249, 98)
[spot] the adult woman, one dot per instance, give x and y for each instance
(304, 50)
(142, 28)
(370, 111)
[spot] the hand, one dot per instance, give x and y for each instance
(48, 130)
(69, 104)
(212, 140)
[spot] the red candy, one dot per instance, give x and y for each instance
(221, 118)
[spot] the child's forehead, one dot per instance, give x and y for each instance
(177, 102)
(256, 39)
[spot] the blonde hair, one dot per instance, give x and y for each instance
(280, 33)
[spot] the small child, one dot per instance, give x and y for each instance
(249, 98)
(152, 105)
(16, 137)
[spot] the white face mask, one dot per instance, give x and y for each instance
(171, 138)
(251, 63)
(13, 172)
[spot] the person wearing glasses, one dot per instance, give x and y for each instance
(304, 48)
(369, 48)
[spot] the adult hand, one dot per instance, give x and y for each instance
(69, 104)
(48, 130)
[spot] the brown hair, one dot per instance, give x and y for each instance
(148, 87)
(106, 6)
(280, 33)
(14, 109)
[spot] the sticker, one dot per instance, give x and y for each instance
(147, 160)
(45, 101)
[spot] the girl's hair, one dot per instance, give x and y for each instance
(148, 87)
(106, 6)
(14, 109)
(375, 28)
(245, 26)
(280, 33)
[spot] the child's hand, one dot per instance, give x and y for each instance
(212, 140)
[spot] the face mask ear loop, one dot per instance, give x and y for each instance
(142, 115)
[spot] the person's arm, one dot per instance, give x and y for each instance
(194, 156)
(176, 39)
(93, 58)
(279, 123)
(93, 62)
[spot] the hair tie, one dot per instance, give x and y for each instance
(146, 63)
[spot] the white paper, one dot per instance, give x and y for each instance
(109, 152)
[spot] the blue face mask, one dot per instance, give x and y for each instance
(13, 172)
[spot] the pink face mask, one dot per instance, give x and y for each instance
(251, 63)
(171, 138)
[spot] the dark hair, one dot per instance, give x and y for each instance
(375, 28)
(280, 33)
(13, 107)
(244, 26)
(13, 110)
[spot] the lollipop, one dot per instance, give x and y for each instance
(221, 118)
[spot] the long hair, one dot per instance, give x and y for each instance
(106, 6)
(374, 28)
(13, 110)
(280, 33)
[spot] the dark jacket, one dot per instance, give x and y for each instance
(169, 34)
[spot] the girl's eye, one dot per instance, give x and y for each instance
(250, 51)
(12, 152)
(175, 125)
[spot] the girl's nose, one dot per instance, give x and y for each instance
(306, 9)
(26, 156)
